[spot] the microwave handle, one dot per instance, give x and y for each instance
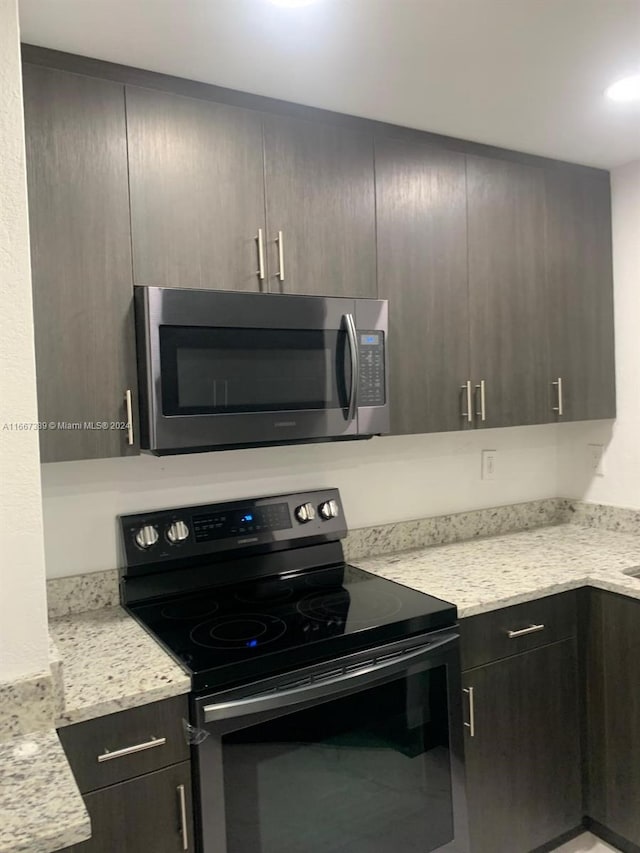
(355, 366)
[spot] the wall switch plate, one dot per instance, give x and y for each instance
(596, 453)
(489, 464)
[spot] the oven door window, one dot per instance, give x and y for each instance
(367, 773)
(228, 371)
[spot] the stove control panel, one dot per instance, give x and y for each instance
(202, 531)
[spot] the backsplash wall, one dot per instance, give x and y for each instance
(382, 480)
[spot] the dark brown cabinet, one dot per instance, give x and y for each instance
(497, 268)
(421, 203)
(508, 311)
(148, 813)
(320, 200)
(81, 263)
(523, 760)
(612, 694)
(197, 192)
(580, 293)
(133, 771)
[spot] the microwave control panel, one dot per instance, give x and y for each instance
(371, 391)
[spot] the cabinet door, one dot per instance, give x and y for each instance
(507, 291)
(523, 762)
(320, 195)
(579, 268)
(613, 713)
(421, 209)
(81, 262)
(197, 191)
(144, 814)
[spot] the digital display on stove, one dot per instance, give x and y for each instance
(238, 522)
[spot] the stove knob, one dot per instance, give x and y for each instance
(146, 537)
(177, 532)
(305, 512)
(329, 509)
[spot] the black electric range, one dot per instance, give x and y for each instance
(245, 589)
(320, 693)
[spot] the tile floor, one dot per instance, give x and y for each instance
(586, 843)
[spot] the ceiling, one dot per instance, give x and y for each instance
(523, 74)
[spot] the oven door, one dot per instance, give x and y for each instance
(224, 369)
(366, 761)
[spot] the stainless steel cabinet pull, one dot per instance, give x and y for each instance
(260, 241)
(128, 404)
(469, 413)
(532, 629)
(482, 414)
(471, 725)
(560, 407)
(280, 242)
(184, 832)
(129, 750)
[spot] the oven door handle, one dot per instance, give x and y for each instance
(332, 686)
(354, 355)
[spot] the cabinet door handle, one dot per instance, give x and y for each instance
(532, 629)
(280, 243)
(129, 750)
(260, 241)
(560, 407)
(482, 414)
(184, 831)
(471, 725)
(128, 404)
(469, 413)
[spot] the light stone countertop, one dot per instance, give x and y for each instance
(486, 574)
(41, 809)
(110, 663)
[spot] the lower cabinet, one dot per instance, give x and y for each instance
(522, 727)
(134, 773)
(612, 693)
(148, 813)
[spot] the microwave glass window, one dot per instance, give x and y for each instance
(217, 371)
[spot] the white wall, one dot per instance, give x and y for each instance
(620, 483)
(381, 480)
(23, 636)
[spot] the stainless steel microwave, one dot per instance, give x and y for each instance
(220, 369)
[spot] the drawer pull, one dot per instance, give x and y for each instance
(471, 725)
(183, 817)
(532, 629)
(129, 750)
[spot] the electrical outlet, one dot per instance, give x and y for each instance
(596, 453)
(489, 464)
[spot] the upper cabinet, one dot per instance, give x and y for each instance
(81, 263)
(320, 208)
(197, 192)
(497, 266)
(579, 268)
(508, 308)
(422, 270)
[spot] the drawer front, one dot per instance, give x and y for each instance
(120, 746)
(511, 630)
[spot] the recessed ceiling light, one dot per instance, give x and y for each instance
(627, 89)
(292, 3)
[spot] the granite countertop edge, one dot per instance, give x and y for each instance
(41, 809)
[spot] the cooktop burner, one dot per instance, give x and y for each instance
(375, 605)
(238, 632)
(229, 634)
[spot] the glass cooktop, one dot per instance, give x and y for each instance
(234, 634)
